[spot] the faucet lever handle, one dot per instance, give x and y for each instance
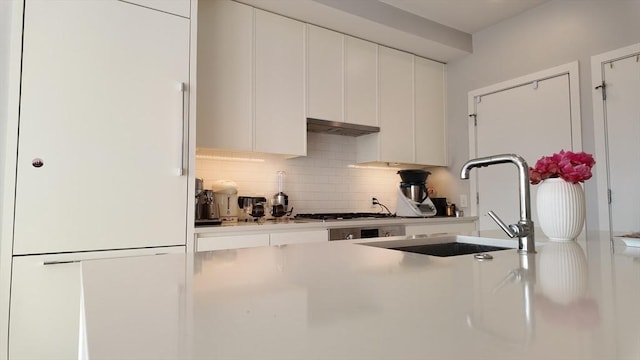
(511, 230)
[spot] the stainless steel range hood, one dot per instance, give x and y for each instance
(339, 128)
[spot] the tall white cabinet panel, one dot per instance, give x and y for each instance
(361, 82)
(176, 7)
(225, 76)
(280, 122)
(429, 112)
(102, 128)
(324, 74)
(45, 302)
(396, 105)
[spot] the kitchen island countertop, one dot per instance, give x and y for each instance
(339, 300)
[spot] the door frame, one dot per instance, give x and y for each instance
(571, 69)
(602, 175)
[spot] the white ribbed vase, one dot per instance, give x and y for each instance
(561, 209)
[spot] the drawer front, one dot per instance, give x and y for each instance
(299, 237)
(208, 243)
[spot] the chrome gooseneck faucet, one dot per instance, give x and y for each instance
(524, 228)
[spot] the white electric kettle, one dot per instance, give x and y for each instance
(226, 196)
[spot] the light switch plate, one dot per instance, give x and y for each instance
(464, 201)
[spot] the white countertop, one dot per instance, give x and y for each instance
(270, 225)
(341, 300)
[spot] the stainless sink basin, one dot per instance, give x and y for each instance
(444, 245)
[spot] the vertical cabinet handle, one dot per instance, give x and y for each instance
(182, 89)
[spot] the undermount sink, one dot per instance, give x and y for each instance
(449, 249)
(445, 245)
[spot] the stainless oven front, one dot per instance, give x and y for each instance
(365, 232)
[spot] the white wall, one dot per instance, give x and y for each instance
(320, 182)
(552, 34)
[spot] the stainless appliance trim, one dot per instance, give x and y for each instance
(363, 232)
(339, 128)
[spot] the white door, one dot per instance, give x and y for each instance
(622, 119)
(533, 119)
(102, 128)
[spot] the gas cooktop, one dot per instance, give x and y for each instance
(343, 216)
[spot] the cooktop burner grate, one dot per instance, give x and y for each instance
(344, 216)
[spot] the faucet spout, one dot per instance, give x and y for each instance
(524, 228)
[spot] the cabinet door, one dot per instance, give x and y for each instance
(225, 85)
(102, 128)
(177, 7)
(396, 106)
(361, 82)
(429, 117)
(45, 303)
(280, 123)
(324, 74)
(298, 237)
(208, 243)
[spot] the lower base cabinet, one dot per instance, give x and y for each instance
(45, 302)
(208, 241)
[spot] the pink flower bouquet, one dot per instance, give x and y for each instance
(571, 167)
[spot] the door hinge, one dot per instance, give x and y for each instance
(477, 198)
(603, 86)
(475, 119)
(609, 195)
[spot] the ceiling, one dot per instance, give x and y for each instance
(469, 16)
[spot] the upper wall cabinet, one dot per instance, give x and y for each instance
(225, 76)
(429, 134)
(361, 82)
(251, 80)
(280, 125)
(341, 77)
(411, 112)
(176, 7)
(325, 74)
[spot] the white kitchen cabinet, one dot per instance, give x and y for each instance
(411, 112)
(449, 227)
(324, 74)
(102, 145)
(430, 136)
(280, 123)
(396, 105)
(298, 237)
(225, 76)
(342, 77)
(45, 302)
(361, 82)
(176, 7)
(251, 80)
(395, 142)
(208, 242)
